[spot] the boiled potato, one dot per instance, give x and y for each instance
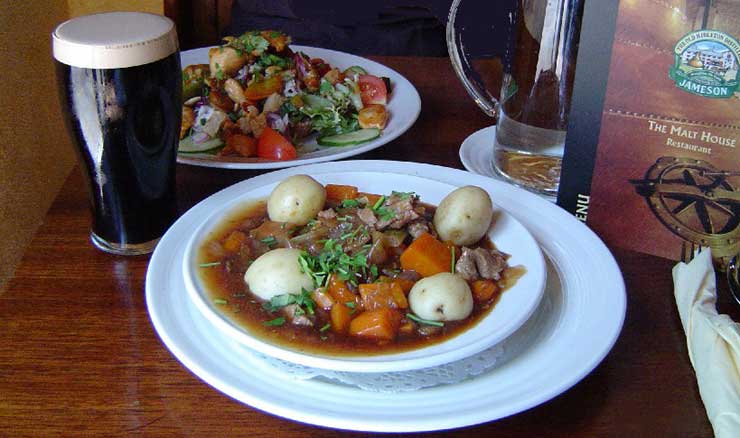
(441, 297)
(296, 199)
(464, 215)
(277, 272)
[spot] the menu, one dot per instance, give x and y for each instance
(652, 158)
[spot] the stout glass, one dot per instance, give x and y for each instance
(120, 87)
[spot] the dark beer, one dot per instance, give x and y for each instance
(125, 122)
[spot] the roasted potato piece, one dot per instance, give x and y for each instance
(240, 144)
(277, 40)
(225, 61)
(373, 116)
(220, 101)
(234, 90)
(193, 79)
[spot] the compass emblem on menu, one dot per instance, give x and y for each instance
(696, 201)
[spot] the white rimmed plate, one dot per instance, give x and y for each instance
(565, 340)
(404, 105)
(513, 309)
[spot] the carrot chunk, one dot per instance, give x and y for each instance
(371, 197)
(340, 292)
(379, 324)
(378, 295)
(484, 290)
(427, 256)
(341, 315)
(337, 192)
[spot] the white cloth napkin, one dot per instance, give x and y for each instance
(713, 343)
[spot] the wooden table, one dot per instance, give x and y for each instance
(79, 356)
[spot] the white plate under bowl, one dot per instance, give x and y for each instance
(512, 310)
(577, 324)
(476, 152)
(404, 105)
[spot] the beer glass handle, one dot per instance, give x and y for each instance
(463, 67)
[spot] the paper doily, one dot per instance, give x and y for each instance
(403, 381)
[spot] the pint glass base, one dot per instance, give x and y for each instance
(123, 249)
(536, 173)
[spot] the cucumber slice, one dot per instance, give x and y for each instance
(350, 138)
(188, 146)
(356, 69)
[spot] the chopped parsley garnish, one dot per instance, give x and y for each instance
(268, 59)
(379, 203)
(361, 230)
(332, 259)
(415, 318)
(349, 203)
(275, 322)
(269, 241)
(250, 42)
(326, 327)
(303, 300)
(384, 214)
(403, 195)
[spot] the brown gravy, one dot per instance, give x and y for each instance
(229, 292)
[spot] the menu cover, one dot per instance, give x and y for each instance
(652, 157)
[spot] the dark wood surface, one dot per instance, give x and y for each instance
(79, 356)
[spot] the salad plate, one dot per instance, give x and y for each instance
(513, 308)
(404, 105)
(574, 328)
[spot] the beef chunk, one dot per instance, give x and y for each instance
(367, 216)
(327, 214)
(417, 228)
(296, 315)
(478, 263)
(465, 265)
(490, 263)
(401, 212)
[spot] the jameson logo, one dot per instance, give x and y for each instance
(707, 64)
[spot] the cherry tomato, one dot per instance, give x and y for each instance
(273, 146)
(372, 90)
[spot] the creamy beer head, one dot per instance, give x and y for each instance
(114, 40)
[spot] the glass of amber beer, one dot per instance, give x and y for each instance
(536, 88)
(120, 87)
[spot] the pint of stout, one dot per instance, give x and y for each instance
(120, 87)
